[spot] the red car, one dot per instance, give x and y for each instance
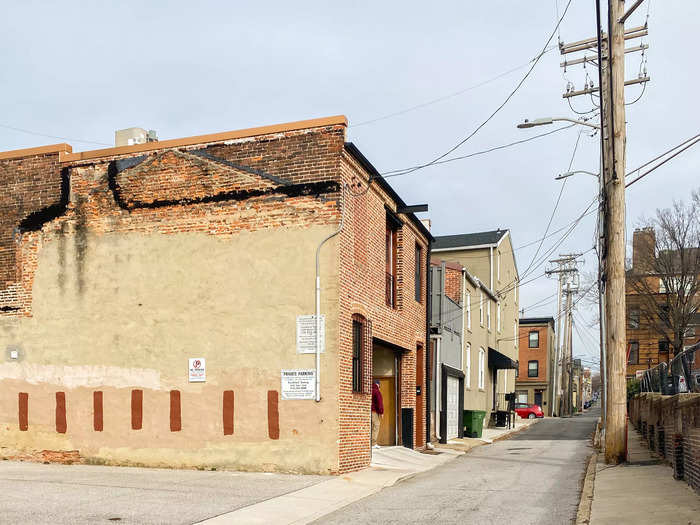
(528, 411)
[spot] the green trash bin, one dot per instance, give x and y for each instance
(474, 423)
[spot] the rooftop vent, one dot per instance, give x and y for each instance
(131, 136)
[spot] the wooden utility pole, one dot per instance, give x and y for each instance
(614, 190)
(611, 87)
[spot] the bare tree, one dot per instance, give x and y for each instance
(664, 279)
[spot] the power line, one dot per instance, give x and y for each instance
(51, 136)
(688, 143)
(405, 171)
(502, 105)
(556, 205)
(448, 96)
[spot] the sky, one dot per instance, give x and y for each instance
(78, 71)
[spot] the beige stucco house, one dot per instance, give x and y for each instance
(490, 337)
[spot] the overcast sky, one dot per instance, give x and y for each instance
(80, 70)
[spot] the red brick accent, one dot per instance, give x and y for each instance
(137, 409)
(273, 414)
(61, 425)
(23, 409)
(453, 283)
(97, 415)
(175, 412)
(228, 405)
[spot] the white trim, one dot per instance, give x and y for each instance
(456, 248)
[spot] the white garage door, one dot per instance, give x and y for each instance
(452, 407)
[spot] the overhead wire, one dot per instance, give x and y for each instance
(406, 171)
(448, 96)
(502, 105)
(556, 204)
(22, 130)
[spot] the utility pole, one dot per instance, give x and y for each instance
(567, 271)
(611, 87)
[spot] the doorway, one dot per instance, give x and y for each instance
(387, 428)
(420, 386)
(538, 398)
(384, 370)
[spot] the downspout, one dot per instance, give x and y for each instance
(428, 349)
(318, 295)
(491, 267)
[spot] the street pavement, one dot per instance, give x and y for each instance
(532, 478)
(80, 494)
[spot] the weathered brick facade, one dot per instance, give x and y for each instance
(671, 426)
(287, 179)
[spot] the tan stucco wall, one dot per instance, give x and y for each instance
(148, 303)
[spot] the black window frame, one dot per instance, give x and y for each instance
(418, 273)
(357, 333)
(529, 339)
(634, 351)
(537, 368)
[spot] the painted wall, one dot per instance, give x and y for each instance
(126, 311)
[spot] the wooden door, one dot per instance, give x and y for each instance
(387, 429)
(420, 396)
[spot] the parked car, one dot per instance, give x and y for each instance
(527, 411)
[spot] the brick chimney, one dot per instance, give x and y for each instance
(643, 243)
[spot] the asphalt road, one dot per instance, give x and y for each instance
(534, 477)
(87, 494)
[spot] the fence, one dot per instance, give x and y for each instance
(681, 375)
(671, 427)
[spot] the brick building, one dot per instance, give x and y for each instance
(649, 341)
(534, 383)
(155, 300)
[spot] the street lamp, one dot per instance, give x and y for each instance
(543, 121)
(570, 173)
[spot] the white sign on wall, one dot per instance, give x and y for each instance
(198, 370)
(306, 334)
(298, 384)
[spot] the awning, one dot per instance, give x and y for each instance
(500, 361)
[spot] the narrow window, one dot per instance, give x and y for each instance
(419, 273)
(469, 310)
(533, 368)
(356, 355)
(488, 315)
(634, 353)
(534, 339)
(481, 367)
(498, 317)
(498, 265)
(391, 262)
(515, 333)
(633, 319)
(481, 308)
(468, 367)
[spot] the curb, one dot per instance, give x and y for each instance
(583, 516)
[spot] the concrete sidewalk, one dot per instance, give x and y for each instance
(489, 435)
(641, 491)
(389, 466)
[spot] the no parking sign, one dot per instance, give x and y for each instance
(198, 370)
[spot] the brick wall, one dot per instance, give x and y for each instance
(362, 285)
(526, 353)
(671, 426)
(30, 185)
